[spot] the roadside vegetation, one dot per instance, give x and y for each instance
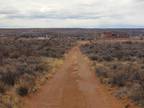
(119, 64)
(25, 63)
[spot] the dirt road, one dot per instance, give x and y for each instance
(73, 86)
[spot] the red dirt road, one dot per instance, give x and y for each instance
(73, 86)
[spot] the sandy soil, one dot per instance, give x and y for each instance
(74, 86)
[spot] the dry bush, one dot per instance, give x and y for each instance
(22, 91)
(102, 71)
(116, 50)
(21, 62)
(2, 88)
(121, 66)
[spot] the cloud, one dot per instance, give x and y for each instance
(54, 15)
(5, 11)
(75, 13)
(138, 0)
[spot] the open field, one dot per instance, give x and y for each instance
(71, 68)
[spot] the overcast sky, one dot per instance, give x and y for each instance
(72, 13)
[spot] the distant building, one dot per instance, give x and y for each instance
(114, 35)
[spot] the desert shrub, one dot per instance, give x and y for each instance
(114, 66)
(108, 58)
(14, 54)
(119, 79)
(22, 91)
(122, 92)
(121, 51)
(122, 66)
(9, 79)
(93, 57)
(136, 92)
(102, 71)
(21, 61)
(2, 88)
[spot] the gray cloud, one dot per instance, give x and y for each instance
(8, 11)
(76, 13)
(52, 15)
(138, 0)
